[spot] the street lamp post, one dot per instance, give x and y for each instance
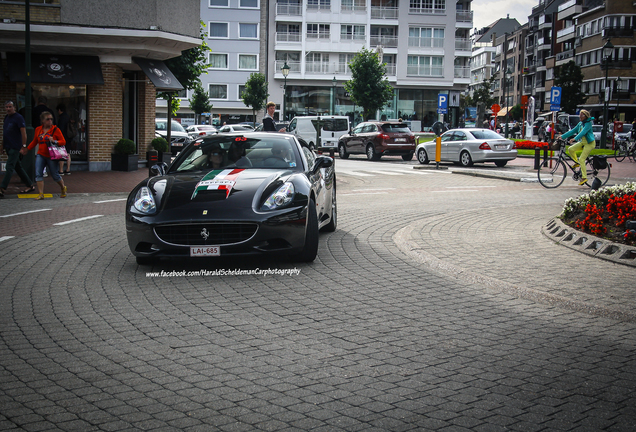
(619, 86)
(507, 88)
(334, 83)
(285, 71)
(608, 51)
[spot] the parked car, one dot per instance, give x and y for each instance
(377, 139)
(626, 133)
(195, 131)
(235, 128)
(270, 195)
(178, 136)
(467, 146)
(537, 124)
(597, 130)
(565, 122)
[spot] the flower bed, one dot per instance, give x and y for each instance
(604, 212)
(530, 145)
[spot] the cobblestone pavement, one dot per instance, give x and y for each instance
(436, 305)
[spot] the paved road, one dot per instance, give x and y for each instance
(436, 305)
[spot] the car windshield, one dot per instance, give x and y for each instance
(627, 127)
(224, 152)
(397, 127)
(597, 128)
(485, 134)
(206, 127)
(162, 125)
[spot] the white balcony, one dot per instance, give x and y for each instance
(425, 71)
(419, 42)
(287, 37)
(289, 9)
(382, 12)
(385, 41)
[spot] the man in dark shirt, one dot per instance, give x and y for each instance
(39, 109)
(268, 121)
(14, 138)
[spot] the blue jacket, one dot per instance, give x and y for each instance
(583, 129)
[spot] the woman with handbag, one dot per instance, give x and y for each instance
(46, 135)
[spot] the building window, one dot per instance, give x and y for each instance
(318, 31)
(424, 37)
(218, 3)
(348, 5)
(319, 4)
(247, 61)
(241, 90)
(252, 4)
(218, 61)
(425, 66)
(218, 91)
(218, 30)
(427, 6)
(287, 32)
(248, 31)
(352, 32)
(317, 62)
(343, 63)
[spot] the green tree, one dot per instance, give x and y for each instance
(484, 93)
(200, 101)
(188, 68)
(570, 78)
(368, 87)
(255, 93)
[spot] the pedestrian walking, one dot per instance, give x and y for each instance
(14, 138)
(39, 109)
(45, 135)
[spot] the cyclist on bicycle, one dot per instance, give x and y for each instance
(585, 138)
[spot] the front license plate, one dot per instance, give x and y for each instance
(202, 251)
(501, 147)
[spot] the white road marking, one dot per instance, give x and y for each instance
(393, 173)
(78, 220)
(6, 238)
(107, 201)
(23, 213)
(355, 173)
(364, 193)
(457, 190)
(370, 190)
(459, 187)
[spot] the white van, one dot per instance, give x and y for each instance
(333, 128)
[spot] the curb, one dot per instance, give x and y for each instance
(588, 244)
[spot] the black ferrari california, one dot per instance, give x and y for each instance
(234, 194)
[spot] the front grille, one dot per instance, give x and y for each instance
(217, 233)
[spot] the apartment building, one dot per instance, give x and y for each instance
(483, 64)
(509, 57)
(424, 43)
(596, 24)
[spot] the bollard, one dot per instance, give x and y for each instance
(537, 157)
(438, 151)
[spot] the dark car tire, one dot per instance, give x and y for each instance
(143, 260)
(333, 222)
(342, 151)
(310, 249)
(465, 160)
(371, 154)
(501, 164)
(422, 157)
(407, 157)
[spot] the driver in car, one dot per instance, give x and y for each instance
(281, 151)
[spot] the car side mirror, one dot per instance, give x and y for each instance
(321, 162)
(158, 170)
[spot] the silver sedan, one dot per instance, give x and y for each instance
(467, 146)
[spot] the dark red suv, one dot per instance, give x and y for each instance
(378, 138)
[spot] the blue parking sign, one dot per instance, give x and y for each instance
(555, 99)
(442, 103)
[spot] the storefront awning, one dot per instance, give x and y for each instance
(56, 69)
(159, 74)
(503, 111)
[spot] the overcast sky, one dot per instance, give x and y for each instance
(486, 12)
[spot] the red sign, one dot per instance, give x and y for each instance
(524, 101)
(495, 108)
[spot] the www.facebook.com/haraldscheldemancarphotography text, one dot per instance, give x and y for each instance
(227, 272)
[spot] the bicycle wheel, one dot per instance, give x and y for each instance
(602, 174)
(620, 153)
(552, 173)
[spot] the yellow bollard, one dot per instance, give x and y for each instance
(438, 149)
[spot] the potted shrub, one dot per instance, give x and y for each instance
(124, 157)
(161, 146)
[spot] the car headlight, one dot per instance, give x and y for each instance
(281, 197)
(144, 201)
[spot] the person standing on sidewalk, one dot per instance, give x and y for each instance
(268, 121)
(585, 138)
(14, 138)
(45, 135)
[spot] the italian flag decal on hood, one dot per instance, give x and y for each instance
(218, 180)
